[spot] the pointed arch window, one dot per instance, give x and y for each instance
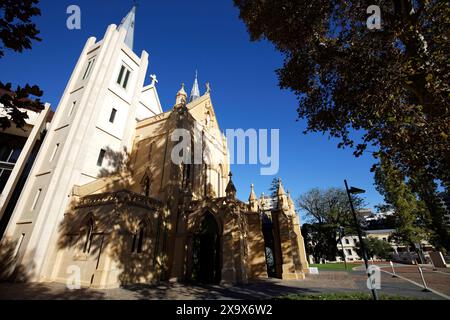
(89, 234)
(147, 186)
(138, 239)
(208, 119)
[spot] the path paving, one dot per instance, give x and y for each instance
(438, 279)
(325, 282)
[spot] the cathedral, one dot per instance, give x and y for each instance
(92, 190)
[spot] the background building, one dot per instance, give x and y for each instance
(18, 150)
(445, 202)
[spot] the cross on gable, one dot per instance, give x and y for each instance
(154, 79)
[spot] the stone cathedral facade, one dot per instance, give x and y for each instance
(104, 199)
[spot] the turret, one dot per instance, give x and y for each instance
(282, 200)
(291, 202)
(253, 200)
(230, 189)
(181, 96)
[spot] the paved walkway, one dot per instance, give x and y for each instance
(325, 282)
(438, 280)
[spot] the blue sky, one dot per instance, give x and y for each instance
(182, 36)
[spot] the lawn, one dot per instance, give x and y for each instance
(341, 296)
(339, 266)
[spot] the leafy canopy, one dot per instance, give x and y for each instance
(17, 32)
(391, 85)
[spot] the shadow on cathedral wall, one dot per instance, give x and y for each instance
(122, 228)
(15, 285)
(10, 270)
(117, 231)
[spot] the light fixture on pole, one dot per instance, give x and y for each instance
(351, 191)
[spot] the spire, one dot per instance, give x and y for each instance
(128, 24)
(252, 193)
(195, 92)
(282, 200)
(253, 200)
(280, 191)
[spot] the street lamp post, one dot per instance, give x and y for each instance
(351, 191)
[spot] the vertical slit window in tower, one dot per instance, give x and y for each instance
(72, 108)
(19, 244)
(54, 152)
(125, 82)
(87, 69)
(36, 199)
(90, 69)
(119, 79)
(112, 117)
(101, 157)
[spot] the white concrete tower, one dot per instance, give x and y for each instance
(98, 111)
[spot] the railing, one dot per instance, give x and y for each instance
(118, 197)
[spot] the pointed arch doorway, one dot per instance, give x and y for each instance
(206, 253)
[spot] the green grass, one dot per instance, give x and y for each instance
(334, 266)
(342, 296)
